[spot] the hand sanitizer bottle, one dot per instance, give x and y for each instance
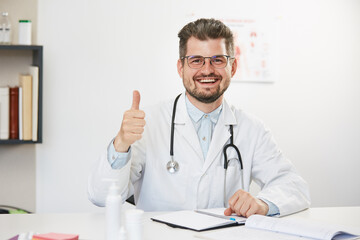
(5, 29)
(122, 233)
(113, 211)
(134, 224)
(24, 32)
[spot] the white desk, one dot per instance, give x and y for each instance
(92, 225)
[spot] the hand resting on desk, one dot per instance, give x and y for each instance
(244, 204)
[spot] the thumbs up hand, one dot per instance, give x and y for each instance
(132, 126)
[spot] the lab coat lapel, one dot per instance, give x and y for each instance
(185, 127)
(221, 135)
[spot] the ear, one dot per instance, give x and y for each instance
(180, 68)
(233, 67)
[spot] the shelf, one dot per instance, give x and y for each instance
(21, 47)
(37, 60)
(16, 141)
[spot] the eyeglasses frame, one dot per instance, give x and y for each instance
(227, 60)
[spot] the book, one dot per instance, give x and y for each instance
(281, 228)
(4, 113)
(55, 236)
(199, 220)
(20, 115)
(14, 113)
(26, 84)
(34, 72)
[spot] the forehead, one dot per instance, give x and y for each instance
(206, 48)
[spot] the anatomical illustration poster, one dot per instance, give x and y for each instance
(256, 49)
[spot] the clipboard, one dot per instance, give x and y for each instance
(198, 220)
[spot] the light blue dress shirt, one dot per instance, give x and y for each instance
(204, 124)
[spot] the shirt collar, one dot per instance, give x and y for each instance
(196, 114)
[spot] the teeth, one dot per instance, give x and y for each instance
(207, 80)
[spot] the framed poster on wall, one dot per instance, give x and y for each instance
(256, 49)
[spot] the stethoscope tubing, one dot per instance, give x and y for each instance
(173, 166)
(173, 127)
(231, 144)
(226, 162)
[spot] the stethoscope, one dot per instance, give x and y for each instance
(173, 166)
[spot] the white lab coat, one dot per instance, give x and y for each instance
(200, 182)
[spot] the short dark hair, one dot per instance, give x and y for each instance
(204, 29)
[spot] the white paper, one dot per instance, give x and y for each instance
(241, 232)
(296, 226)
(262, 227)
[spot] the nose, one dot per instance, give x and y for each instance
(207, 67)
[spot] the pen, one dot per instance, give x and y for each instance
(217, 215)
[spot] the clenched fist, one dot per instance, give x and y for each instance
(132, 126)
(244, 204)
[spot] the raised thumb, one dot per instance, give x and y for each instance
(136, 100)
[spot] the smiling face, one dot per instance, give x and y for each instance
(206, 84)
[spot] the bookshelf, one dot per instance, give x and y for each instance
(36, 55)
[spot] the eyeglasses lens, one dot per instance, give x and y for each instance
(199, 61)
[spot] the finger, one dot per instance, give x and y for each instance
(237, 208)
(136, 100)
(233, 199)
(135, 114)
(133, 121)
(133, 130)
(244, 208)
(238, 196)
(253, 210)
(228, 212)
(137, 130)
(241, 205)
(132, 115)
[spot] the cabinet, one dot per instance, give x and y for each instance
(34, 55)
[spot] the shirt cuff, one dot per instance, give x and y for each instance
(116, 159)
(273, 209)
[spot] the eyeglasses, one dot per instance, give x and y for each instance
(217, 61)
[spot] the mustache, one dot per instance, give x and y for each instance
(212, 75)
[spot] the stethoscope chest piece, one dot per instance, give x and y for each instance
(172, 166)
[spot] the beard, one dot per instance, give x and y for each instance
(206, 96)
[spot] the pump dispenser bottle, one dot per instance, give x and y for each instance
(5, 29)
(113, 211)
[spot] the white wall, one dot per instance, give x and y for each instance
(96, 52)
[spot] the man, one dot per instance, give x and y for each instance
(139, 156)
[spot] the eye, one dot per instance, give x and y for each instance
(195, 60)
(219, 60)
